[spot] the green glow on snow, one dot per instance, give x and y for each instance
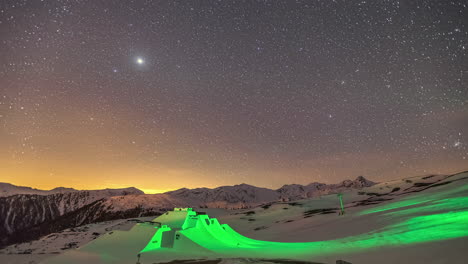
(452, 204)
(200, 233)
(418, 199)
(155, 242)
(395, 205)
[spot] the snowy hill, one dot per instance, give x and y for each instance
(21, 212)
(374, 228)
(64, 240)
(368, 210)
(246, 196)
(25, 216)
(230, 197)
(293, 192)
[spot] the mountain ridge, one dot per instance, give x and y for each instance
(8, 189)
(26, 216)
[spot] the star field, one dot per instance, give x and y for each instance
(168, 94)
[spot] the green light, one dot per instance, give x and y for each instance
(156, 241)
(418, 199)
(341, 203)
(206, 237)
(395, 205)
(453, 204)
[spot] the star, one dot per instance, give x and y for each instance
(140, 60)
(322, 102)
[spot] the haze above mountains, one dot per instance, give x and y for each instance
(304, 191)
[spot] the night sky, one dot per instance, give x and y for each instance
(168, 94)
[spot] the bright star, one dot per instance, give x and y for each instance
(140, 60)
(457, 144)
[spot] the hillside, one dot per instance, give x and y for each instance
(401, 211)
(24, 217)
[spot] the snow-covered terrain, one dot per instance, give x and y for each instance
(247, 196)
(7, 189)
(57, 243)
(293, 192)
(24, 216)
(271, 222)
(20, 213)
(381, 214)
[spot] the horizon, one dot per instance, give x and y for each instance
(154, 116)
(160, 191)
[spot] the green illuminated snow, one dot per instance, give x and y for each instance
(206, 237)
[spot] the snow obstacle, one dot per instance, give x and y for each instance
(187, 234)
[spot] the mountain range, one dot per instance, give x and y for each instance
(7, 189)
(27, 213)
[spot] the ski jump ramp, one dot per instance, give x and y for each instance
(186, 234)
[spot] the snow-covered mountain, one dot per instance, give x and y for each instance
(28, 216)
(23, 211)
(230, 197)
(7, 189)
(245, 196)
(296, 191)
(302, 220)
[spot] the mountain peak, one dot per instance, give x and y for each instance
(359, 182)
(124, 191)
(245, 185)
(62, 189)
(365, 181)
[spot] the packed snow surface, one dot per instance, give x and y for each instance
(413, 220)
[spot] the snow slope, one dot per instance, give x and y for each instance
(22, 212)
(57, 243)
(414, 220)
